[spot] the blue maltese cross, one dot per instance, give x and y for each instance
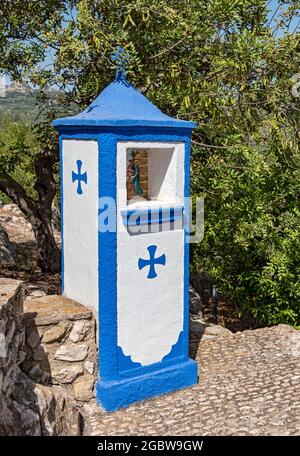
(120, 57)
(152, 262)
(79, 177)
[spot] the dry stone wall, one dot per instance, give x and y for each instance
(27, 407)
(61, 345)
(12, 334)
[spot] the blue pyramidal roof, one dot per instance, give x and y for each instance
(120, 104)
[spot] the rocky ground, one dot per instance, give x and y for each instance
(18, 259)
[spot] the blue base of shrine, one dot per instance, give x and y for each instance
(116, 394)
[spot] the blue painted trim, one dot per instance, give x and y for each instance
(62, 214)
(151, 216)
(113, 395)
(176, 350)
(107, 272)
(127, 367)
(120, 104)
(132, 370)
(131, 133)
(186, 279)
(75, 122)
(125, 362)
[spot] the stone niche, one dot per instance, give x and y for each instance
(153, 174)
(61, 345)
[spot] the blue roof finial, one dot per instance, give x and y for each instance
(120, 57)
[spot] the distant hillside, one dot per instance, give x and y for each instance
(17, 88)
(19, 100)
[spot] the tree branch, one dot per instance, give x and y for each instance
(211, 146)
(168, 49)
(17, 194)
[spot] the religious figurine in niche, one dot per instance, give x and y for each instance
(137, 174)
(129, 174)
(136, 178)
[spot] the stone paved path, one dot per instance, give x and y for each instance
(249, 384)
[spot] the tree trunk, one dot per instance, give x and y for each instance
(49, 254)
(38, 212)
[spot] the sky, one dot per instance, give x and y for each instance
(273, 5)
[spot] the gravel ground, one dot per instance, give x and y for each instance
(249, 384)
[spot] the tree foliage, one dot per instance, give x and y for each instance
(18, 145)
(228, 65)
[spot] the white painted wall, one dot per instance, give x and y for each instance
(164, 173)
(80, 226)
(150, 311)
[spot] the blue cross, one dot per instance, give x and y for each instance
(152, 262)
(79, 177)
(121, 58)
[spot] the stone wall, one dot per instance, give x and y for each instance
(12, 334)
(27, 407)
(61, 345)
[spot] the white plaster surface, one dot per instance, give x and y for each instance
(150, 311)
(162, 172)
(80, 229)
